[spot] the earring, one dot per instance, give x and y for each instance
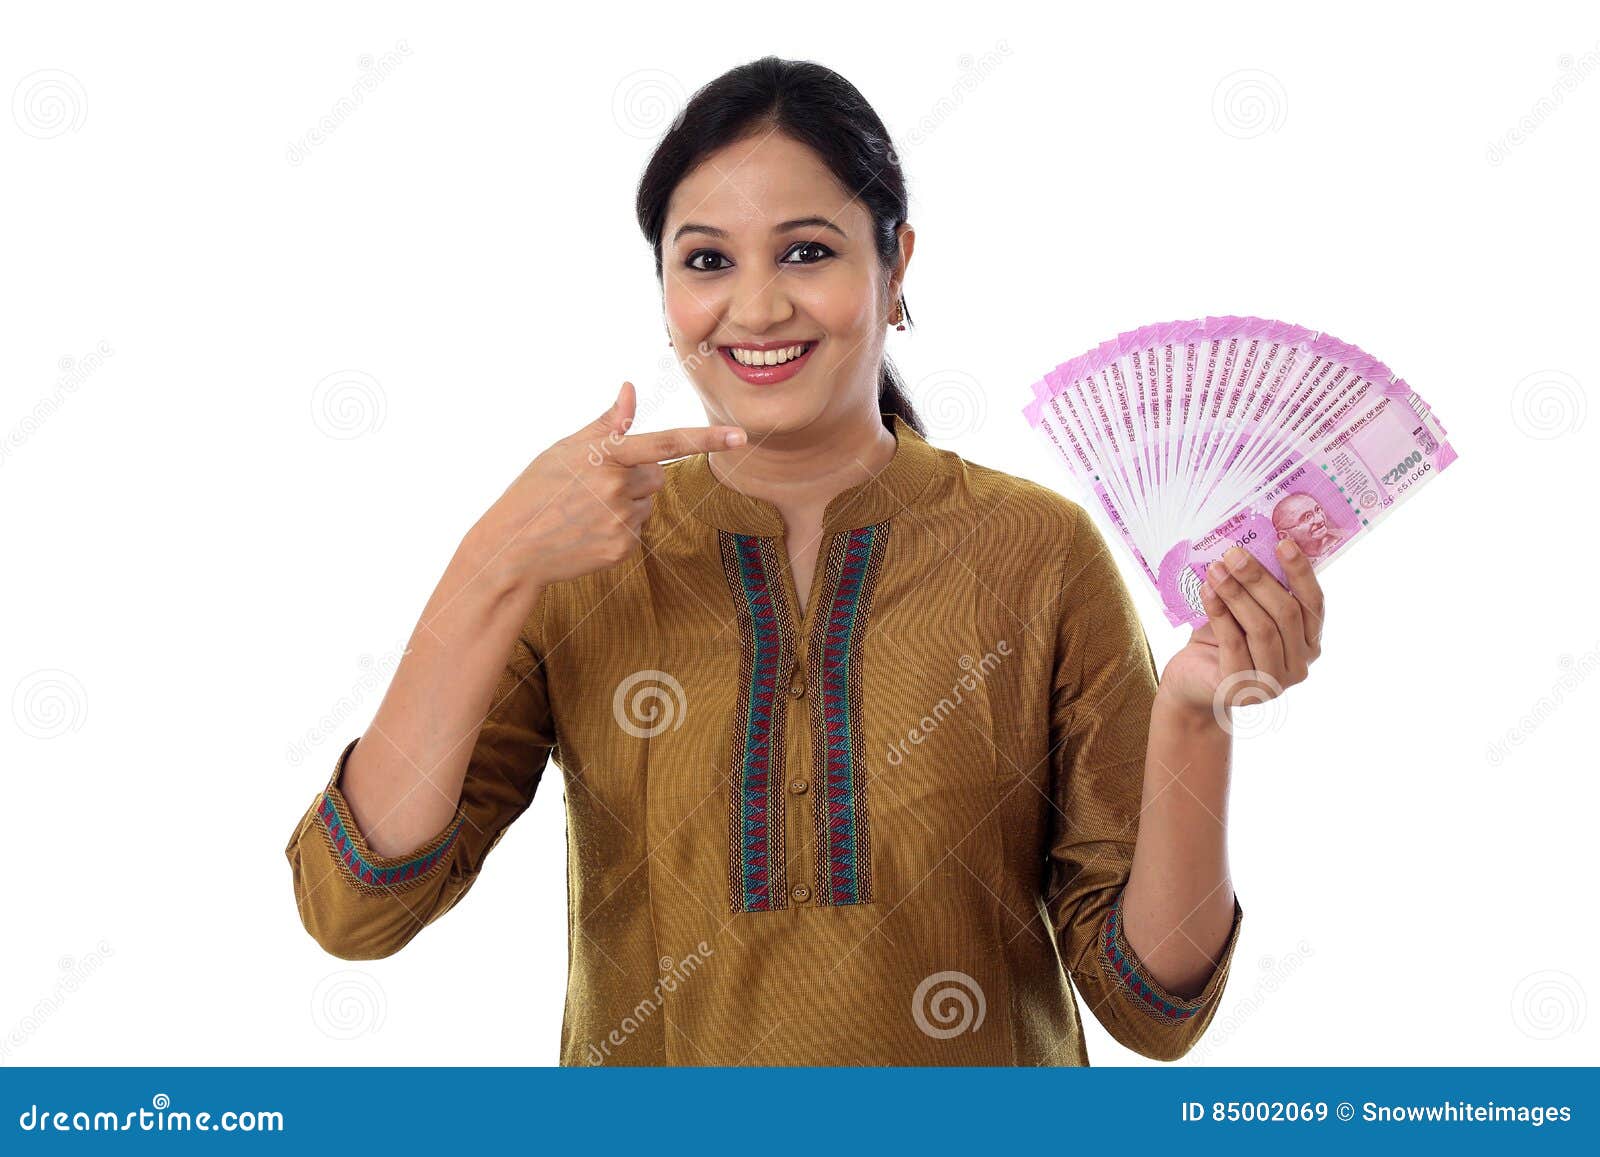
(898, 320)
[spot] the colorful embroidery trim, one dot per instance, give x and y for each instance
(757, 870)
(1118, 959)
(758, 860)
(839, 808)
(380, 875)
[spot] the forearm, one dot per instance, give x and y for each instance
(403, 780)
(1179, 902)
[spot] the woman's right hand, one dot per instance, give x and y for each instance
(579, 506)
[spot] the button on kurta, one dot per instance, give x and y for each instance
(799, 786)
(801, 893)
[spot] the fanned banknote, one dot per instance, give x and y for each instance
(1194, 436)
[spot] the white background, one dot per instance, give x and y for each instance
(206, 565)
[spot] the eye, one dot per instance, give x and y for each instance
(815, 247)
(711, 253)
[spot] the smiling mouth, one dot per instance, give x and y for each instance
(767, 367)
(769, 357)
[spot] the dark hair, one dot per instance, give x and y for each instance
(817, 107)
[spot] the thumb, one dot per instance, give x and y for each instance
(619, 415)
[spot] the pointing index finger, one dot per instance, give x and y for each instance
(664, 445)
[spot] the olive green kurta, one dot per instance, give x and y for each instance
(882, 832)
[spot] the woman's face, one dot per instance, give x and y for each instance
(762, 247)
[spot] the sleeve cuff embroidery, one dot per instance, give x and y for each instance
(1117, 958)
(349, 846)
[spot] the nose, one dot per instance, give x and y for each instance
(757, 304)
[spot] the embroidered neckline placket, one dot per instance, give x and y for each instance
(817, 668)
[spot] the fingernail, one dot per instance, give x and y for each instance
(1217, 571)
(1287, 549)
(1235, 557)
(1205, 590)
(735, 438)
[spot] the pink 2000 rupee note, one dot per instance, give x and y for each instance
(1192, 437)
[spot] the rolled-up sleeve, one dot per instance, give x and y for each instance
(360, 906)
(1103, 690)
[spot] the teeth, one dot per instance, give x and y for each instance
(766, 357)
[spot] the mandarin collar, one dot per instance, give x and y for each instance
(885, 494)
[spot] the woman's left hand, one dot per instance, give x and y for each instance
(1260, 640)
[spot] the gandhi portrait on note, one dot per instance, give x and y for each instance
(1301, 517)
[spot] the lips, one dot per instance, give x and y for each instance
(767, 375)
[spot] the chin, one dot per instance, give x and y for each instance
(763, 415)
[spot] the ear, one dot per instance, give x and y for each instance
(907, 237)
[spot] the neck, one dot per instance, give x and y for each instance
(800, 472)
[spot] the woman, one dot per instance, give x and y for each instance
(864, 747)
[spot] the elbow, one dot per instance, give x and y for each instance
(1166, 1049)
(352, 941)
(347, 925)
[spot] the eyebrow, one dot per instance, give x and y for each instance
(797, 223)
